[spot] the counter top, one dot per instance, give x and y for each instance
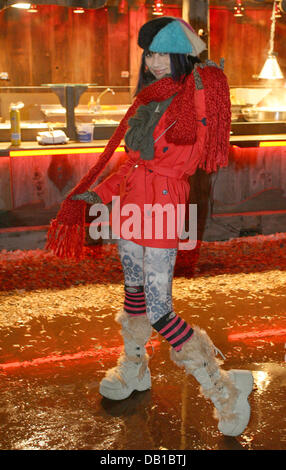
(254, 140)
(240, 140)
(6, 147)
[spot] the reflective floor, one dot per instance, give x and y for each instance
(57, 343)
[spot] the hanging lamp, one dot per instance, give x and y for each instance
(157, 8)
(271, 69)
(238, 9)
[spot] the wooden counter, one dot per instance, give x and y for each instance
(249, 196)
(258, 140)
(61, 149)
(34, 179)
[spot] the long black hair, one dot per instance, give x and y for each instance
(181, 66)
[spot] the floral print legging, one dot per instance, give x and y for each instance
(152, 268)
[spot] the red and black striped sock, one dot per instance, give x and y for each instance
(134, 303)
(175, 330)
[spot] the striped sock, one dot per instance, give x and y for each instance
(175, 330)
(134, 303)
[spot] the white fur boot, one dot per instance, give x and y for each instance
(228, 390)
(132, 371)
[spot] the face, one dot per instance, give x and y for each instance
(159, 64)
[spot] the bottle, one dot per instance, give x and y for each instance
(15, 125)
(91, 104)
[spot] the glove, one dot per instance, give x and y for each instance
(89, 196)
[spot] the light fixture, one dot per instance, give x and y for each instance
(157, 8)
(277, 10)
(271, 69)
(122, 7)
(23, 6)
(33, 9)
(238, 9)
(4, 76)
(78, 10)
(85, 4)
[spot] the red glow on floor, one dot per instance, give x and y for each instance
(52, 358)
(257, 334)
(99, 353)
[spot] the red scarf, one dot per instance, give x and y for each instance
(67, 232)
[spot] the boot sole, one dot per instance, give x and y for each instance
(122, 394)
(243, 379)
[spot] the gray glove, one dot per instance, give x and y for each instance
(89, 196)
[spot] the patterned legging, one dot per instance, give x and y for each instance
(152, 268)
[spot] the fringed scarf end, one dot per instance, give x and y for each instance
(66, 241)
(211, 166)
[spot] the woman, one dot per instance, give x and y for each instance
(180, 121)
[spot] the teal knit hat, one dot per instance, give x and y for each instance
(170, 35)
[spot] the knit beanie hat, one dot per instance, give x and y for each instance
(170, 35)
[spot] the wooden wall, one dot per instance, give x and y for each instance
(244, 42)
(58, 46)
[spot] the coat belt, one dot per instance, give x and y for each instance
(141, 166)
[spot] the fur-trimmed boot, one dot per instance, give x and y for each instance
(132, 371)
(228, 390)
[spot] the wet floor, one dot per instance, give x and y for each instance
(56, 345)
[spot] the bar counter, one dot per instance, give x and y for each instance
(248, 196)
(60, 149)
(6, 149)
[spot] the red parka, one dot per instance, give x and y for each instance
(163, 181)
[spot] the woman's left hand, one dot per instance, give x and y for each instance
(89, 196)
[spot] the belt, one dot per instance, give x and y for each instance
(171, 173)
(141, 165)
